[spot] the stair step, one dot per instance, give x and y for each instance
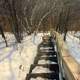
(41, 57)
(51, 76)
(40, 54)
(46, 45)
(46, 60)
(39, 78)
(44, 48)
(53, 59)
(43, 61)
(47, 53)
(50, 67)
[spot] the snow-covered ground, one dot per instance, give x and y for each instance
(73, 44)
(16, 59)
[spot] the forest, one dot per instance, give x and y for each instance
(32, 16)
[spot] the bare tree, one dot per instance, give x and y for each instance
(2, 33)
(28, 15)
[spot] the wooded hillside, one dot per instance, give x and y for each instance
(35, 15)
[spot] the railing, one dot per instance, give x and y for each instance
(69, 68)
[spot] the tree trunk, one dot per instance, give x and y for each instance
(3, 36)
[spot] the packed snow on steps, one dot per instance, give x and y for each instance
(16, 59)
(73, 43)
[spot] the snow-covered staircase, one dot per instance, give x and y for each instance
(45, 66)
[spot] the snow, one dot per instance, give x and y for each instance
(77, 34)
(39, 78)
(46, 62)
(16, 59)
(73, 44)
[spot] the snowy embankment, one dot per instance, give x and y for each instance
(73, 44)
(16, 59)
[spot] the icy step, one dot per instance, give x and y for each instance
(49, 55)
(42, 48)
(53, 59)
(45, 68)
(39, 57)
(40, 69)
(46, 45)
(46, 62)
(39, 78)
(47, 51)
(48, 76)
(46, 48)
